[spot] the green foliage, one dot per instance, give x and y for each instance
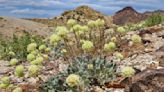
(5, 82)
(18, 46)
(162, 19)
(154, 20)
(134, 27)
(95, 71)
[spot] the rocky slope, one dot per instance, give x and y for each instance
(127, 15)
(10, 26)
(85, 13)
(130, 15)
(82, 14)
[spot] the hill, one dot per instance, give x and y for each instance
(130, 15)
(82, 14)
(10, 26)
(127, 15)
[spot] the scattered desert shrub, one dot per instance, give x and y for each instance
(17, 46)
(154, 20)
(134, 27)
(86, 46)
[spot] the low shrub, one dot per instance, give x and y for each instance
(154, 20)
(18, 46)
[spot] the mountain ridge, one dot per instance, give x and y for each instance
(84, 13)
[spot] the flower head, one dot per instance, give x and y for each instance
(35, 52)
(78, 33)
(11, 53)
(121, 30)
(5, 80)
(19, 71)
(3, 86)
(54, 38)
(42, 47)
(48, 49)
(90, 66)
(91, 23)
(39, 60)
(45, 56)
(31, 47)
(59, 28)
(71, 22)
(87, 45)
(63, 32)
(85, 28)
(100, 22)
(13, 61)
(113, 39)
(136, 38)
(73, 80)
(127, 71)
(64, 51)
(110, 46)
(119, 56)
(77, 27)
(30, 57)
(33, 70)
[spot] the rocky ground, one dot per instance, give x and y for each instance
(148, 59)
(10, 26)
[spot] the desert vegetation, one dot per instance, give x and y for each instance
(77, 57)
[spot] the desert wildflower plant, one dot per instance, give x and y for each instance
(81, 75)
(85, 48)
(88, 39)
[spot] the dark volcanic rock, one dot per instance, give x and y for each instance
(146, 81)
(127, 15)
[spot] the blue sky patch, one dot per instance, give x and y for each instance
(51, 8)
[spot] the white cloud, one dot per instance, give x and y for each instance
(28, 11)
(56, 7)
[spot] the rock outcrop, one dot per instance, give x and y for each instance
(127, 15)
(146, 81)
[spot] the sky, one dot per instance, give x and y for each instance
(51, 8)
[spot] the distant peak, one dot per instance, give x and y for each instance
(128, 8)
